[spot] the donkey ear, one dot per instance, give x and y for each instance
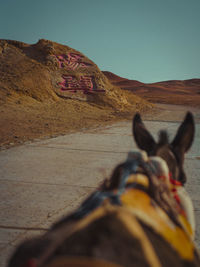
(143, 138)
(185, 134)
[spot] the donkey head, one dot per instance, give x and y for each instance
(172, 152)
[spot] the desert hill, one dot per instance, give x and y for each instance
(49, 71)
(121, 82)
(185, 92)
(48, 89)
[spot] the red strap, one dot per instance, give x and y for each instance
(31, 263)
(174, 182)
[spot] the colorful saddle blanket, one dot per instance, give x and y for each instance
(145, 190)
(140, 190)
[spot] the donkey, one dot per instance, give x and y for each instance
(138, 217)
(173, 153)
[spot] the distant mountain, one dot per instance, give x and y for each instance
(121, 82)
(185, 92)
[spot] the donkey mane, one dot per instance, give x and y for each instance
(163, 138)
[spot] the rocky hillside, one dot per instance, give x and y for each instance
(185, 92)
(48, 70)
(48, 89)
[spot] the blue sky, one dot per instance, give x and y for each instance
(145, 40)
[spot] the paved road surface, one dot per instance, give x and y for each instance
(42, 181)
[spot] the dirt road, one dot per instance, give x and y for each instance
(42, 181)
